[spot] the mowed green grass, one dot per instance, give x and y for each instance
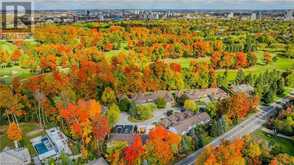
(25, 128)
(283, 145)
(114, 53)
(282, 63)
(6, 74)
(9, 47)
(186, 61)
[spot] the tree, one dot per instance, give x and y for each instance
(191, 105)
(239, 106)
(211, 109)
(113, 114)
(240, 77)
(162, 145)
(267, 57)
(124, 104)
(254, 103)
(215, 59)
(253, 150)
(227, 153)
(86, 121)
(160, 102)
(14, 132)
(108, 96)
(15, 55)
(280, 86)
(268, 97)
(252, 58)
(282, 159)
(143, 112)
(241, 60)
(133, 152)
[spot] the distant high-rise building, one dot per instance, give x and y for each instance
(231, 15)
(289, 15)
(259, 16)
(253, 16)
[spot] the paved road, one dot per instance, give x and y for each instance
(251, 124)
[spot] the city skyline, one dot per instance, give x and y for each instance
(164, 4)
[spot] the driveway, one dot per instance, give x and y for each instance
(157, 115)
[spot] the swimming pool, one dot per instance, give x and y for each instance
(43, 146)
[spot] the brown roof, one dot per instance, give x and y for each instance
(126, 137)
(246, 88)
(183, 121)
(141, 98)
(185, 125)
(205, 95)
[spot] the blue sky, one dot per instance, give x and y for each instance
(164, 4)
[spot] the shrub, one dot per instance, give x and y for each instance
(160, 102)
(144, 112)
(190, 105)
(124, 104)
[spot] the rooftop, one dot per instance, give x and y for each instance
(141, 98)
(246, 88)
(18, 156)
(205, 95)
(183, 122)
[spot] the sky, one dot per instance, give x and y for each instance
(162, 4)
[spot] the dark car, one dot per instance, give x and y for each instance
(170, 112)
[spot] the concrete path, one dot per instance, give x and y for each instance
(269, 131)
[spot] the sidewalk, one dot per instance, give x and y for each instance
(269, 131)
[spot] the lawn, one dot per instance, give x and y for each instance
(185, 61)
(26, 128)
(113, 53)
(6, 74)
(9, 47)
(283, 145)
(282, 63)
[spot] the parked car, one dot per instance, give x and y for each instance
(170, 112)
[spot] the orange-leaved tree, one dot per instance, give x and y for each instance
(162, 145)
(14, 133)
(86, 123)
(133, 152)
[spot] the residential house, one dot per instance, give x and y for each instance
(245, 88)
(204, 95)
(51, 145)
(181, 123)
(100, 161)
(149, 97)
(18, 156)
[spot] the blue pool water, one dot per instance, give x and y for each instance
(41, 148)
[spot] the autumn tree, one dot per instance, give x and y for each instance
(229, 153)
(241, 60)
(11, 103)
(108, 96)
(133, 152)
(267, 57)
(251, 58)
(86, 123)
(14, 133)
(15, 55)
(162, 145)
(190, 105)
(238, 106)
(113, 114)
